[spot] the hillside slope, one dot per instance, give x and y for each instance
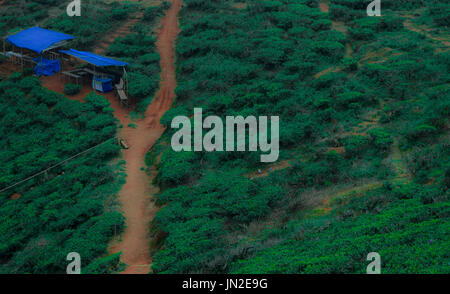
(366, 142)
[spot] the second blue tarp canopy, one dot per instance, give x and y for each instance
(93, 58)
(37, 39)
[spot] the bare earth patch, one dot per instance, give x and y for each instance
(271, 168)
(15, 196)
(240, 5)
(136, 194)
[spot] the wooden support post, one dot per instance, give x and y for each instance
(125, 88)
(61, 69)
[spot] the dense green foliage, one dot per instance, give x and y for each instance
(198, 217)
(365, 101)
(21, 14)
(98, 19)
(71, 89)
(407, 225)
(69, 207)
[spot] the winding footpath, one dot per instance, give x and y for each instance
(338, 26)
(136, 194)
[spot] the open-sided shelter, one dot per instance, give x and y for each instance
(101, 81)
(39, 41)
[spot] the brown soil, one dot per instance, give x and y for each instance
(240, 5)
(338, 150)
(324, 6)
(326, 202)
(339, 26)
(379, 55)
(15, 196)
(399, 166)
(56, 83)
(371, 120)
(327, 70)
(348, 50)
(136, 194)
(7, 68)
(271, 168)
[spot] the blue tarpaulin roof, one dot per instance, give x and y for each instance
(93, 58)
(37, 39)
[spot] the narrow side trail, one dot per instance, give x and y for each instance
(136, 194)
(280, 165)
(340, 26)
(400, 169)
(121, 31)
(399, 166)
(442, 40)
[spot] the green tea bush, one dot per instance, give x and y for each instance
(67, 209)
(340, 117)
(71, 89)
(378, 222)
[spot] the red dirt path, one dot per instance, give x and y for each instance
(136, 194)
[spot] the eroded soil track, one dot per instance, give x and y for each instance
(340, 26)
(136, 194)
